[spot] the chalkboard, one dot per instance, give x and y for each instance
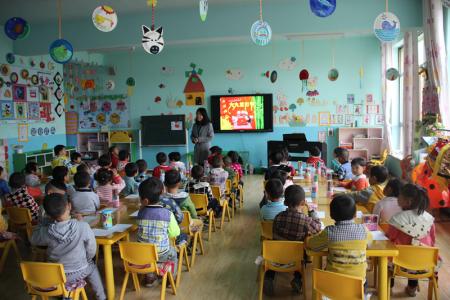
(163, 130)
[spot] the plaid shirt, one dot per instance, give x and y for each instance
(346, 231)
(218, 176)
(153, 227)
(21, 198)
(294, 226)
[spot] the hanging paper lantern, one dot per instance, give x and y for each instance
(273, 76)
(10, 58)
(61, 51)
(17, 28)
(392, 74)
(152, 40)
(333, 74)
(304, 76)
(386, 27)
(203, 7)
(322, 8)
(104, 18)
(261, 33)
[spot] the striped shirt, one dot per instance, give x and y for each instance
(108, 192)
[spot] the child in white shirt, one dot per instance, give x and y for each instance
(387, 207)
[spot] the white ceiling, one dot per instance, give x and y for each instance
(45, 10)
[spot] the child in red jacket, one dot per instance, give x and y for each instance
(359, 181)
(314, 157)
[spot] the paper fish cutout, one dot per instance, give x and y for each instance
(152, 40)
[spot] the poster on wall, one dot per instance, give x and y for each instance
(7, 109)
(92, 114)
(71, 122)
(22, 133)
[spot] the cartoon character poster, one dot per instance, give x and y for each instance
(242, 113)
(33, 111)
(20, 110)
(7, 110)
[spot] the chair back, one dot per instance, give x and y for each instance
(267, 230)
(185, 224)
(139, 257)
(338, 286)
(228, 186)
(52, 284)
(283, 256)
(236, 180)
(417, 258)
(216, 192)
(201, 203)
(20, 218)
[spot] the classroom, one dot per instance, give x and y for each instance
(225, 149)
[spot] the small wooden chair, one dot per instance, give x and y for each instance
(223, 202)
(337, 286)
(201, 205)
(6, 246)
(53, 284)
(196, 236)
(266, 230)
(182, 257)
(142, 258)
(231, 195)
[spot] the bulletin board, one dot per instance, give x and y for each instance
(163, 130)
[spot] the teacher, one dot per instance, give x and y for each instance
(201, 136)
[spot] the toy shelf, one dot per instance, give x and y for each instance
(361, 142)
(43, 158)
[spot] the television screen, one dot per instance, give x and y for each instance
(242, 113)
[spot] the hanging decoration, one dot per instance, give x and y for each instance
(104, 18)
(203, 7)
(322, 8)
(333, 74)
(61, 51)
(386, 26)
(260, 31)
(152, 40)
(131, 82)
(17, 28)
(10, 58)
(194, 89)
(304, 75)
(392, 74)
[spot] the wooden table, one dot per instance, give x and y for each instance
(382, 250)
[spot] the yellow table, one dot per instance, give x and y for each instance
(379, 249)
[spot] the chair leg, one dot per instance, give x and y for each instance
(389, 289)
(211, 224)
(375, 271)
(16, 250)
(137, 286)
(186, 260)
(124, 285)
(163, 286)
(180, 264)
(4, 255)
(233, 204)
(222, 219)
(194, 250)
(200, 240)
(172, 283)
(96, 254)
(83, 294)
(241, 197)
(228, 211)
(435, 287)
(261, 282)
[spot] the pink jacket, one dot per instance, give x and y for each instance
(106, 192)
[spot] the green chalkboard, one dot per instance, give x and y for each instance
(163, 130)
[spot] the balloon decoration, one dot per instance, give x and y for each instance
(60, 50)
(392, 74)
(152, 39)
(304, 76)
(203, 7)
(104, 18)
(322, 8)
(260, 31)
(10, 58)
(17, 28)
(333, 74)
(386, 27)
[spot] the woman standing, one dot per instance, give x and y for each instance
(201, 136)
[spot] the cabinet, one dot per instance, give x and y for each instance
(124, 140)
(43, 158)
(92, 145)
(361, 142)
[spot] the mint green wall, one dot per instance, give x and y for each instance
(6, 45)
(350, 55)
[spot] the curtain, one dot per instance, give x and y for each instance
(386, 101)
(411, 111)
(433, 24)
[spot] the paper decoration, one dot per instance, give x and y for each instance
(22, 133)
(369, 98)
(58, 79)
(357, 109)
(312, 87)
(167, 70)
(194, 89)
(176, 125)
(20, 110)
(373, 109)
(33, 131)
(104, 18)
(114, 118)
(61, 51)
(322, 136)
(110, 85)
(273, 76)
(322, 8)
(10, 58)
(379, 119)
(14, 77)
(288, 64)
(34, 79)
(46, 111)
(392, 74)
(71, 122)
(261, 33)
(386, 27)
(19, 92)
(5, 69)
(7, 110)
(303, 76)
(348, 119)
(17, 28)
(330, 132)
(324, 118)
(234, 74)
(33, 111)
(350, 98)
(203, 8)
(366, 120)
(130, 84)
(333, 74)
(152, 40)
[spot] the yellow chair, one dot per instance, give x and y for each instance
(197, 236)
(230, 195)
(267, 230)
(283, 257)
(50, 285)
(223, 202)
(337, 286)
(201, 205)
(379, 162)
(182, 257)
(417, 258)
(142, 258)
(6, 246)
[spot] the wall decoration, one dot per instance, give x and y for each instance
(33, 131)
(330, 132)
(292, 107)
(10, 58)
(386, 27)
(273, 76)
(110, 85)
(46, 131)
(283, 119)
(341, 109)
(373, 109)
(333, 74)
(322, 8)
(350, 98)
(304, 76)
(157, 99)
(44, 93)
(32, 94)
(71, 122)
(300, 101)
(313, 118)
(392, 74)
(366, 120)
(288, 64)
(40, 131)
(52, 130)
(203, 8)
(312, 87)
(7, 110)
(339, 119)
(5, 69)
(59, 110)
(152, 40)
(324, 118)
(104, 18)
(260, 32)
(361, 76)
(234, 74)
(348, 119)
(379, 119)
(357, 109)
(282, 101)
(33, 111)
(171, 103)
(22, 133)
(131, 83)
(162, 86)
(194, 89)
(17, 28)
(14, 77)
(20, 110)
(322, 136)
(24, 74)
(19, 92)
(369, 98)
(297, 121)
(61, 51)
(46, 111)
(167, 71)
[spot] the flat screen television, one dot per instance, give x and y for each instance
(242, 113)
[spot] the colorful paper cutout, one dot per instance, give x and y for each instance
(322, 136)
(350, 98)
(373, 109)
(304, 76)
(10, 58)
(17, 28)
(20, 110)
(379, 119)
(61, 51)
(333, 74)
(22, 132)
(312, 87)
(152, 40)
(46, 111)
(104, 18)
(348, 119)
(288, 64)
(203, 8)
(369, 98)
(322, 8)
(392, 74)
(324, 118)
(261, 33)
(234, 74)
(7, 110)
(194, 89)
(33, 111)
(357, 109)
(386, 27)
(19, 92)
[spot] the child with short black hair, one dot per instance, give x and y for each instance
(176, 163)
(161, 159)
(235, 164)
(343, 167)
(156, 224)
(58, 184)
(131, 186)
(227, 166)
(4, 189)
(69, 242)
(60, 158)
(124, 158)
(218, 176)
(142, 170)
(172, 182)
(388, 207)
(276, 158)
(314, 157)
(359, 180)
(85, 168)
(215, 151)
(107, 190)
(283, 177)
(274, 194)
(75, 161)
(84, 200)
(33, 181)
(20, 197)
(114, 156)
(104, 161)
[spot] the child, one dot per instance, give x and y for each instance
(285, 161)
(234, 156)
(59, 182)
(32, 181)
(359, 180)
(70, 243)
(161, 159)
(197, 185)
(283, 177)
(275, 159)
(19, 196)
(104, 162)
(131, 186)
(215, 151)
(293, 225)
(124, 158)
(343, 167)
(374, 193)
(228, 166)
(175, 163)
(85, 168)
(142, 170)
(172, 182)
(75, 161)
(314, 157)
(84, 200)
(346, 241)
(387, 207)
(218, 176)
(114, 155)
(60, 157)
(107, 190)
(413, 225)
(156, 225)
(274, 193)
(4, 189)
